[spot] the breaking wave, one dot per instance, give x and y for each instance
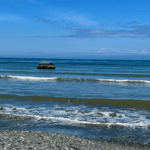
(31, 78)
(75, 122)
(75, 117)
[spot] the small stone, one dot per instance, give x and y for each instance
(1, 108)
(13, 108)
(73, 148)
(31, 147)
(112, 114)
(100, 114)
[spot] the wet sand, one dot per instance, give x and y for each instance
(28, 140)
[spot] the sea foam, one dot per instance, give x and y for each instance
(32, 78)
(76, 117)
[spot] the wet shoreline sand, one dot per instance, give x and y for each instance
(28, 140)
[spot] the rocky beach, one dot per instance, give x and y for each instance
(28, 140)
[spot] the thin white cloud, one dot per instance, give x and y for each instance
(138, 32)
(102, 50)
(123, 51)
(10, 17)
(133, 22)
(70, 15)
(53, 22)
(35, 2)
(83, 20)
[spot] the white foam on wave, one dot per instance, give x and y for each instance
(125, 81)
(31, 78)
(75, 121)
(74, 116)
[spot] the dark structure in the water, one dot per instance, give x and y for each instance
(45, 65)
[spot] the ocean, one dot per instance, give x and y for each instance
(106, 100)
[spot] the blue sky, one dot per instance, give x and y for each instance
(97, 29)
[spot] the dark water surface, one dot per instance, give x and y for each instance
(100, 99)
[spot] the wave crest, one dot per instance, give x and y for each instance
(69, 121)
(31, 78)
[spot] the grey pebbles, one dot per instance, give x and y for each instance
(29, 140)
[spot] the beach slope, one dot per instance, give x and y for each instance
(27, 140)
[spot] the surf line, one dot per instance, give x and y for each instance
(32, 78)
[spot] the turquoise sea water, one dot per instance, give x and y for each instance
(100, 99)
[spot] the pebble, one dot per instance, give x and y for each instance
(1, 108)
(112, 114)
(13, 108)
(30, 140)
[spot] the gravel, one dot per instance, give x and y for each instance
(29, 140)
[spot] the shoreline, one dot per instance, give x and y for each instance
(37, 140)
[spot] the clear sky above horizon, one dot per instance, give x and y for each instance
(75, 29)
